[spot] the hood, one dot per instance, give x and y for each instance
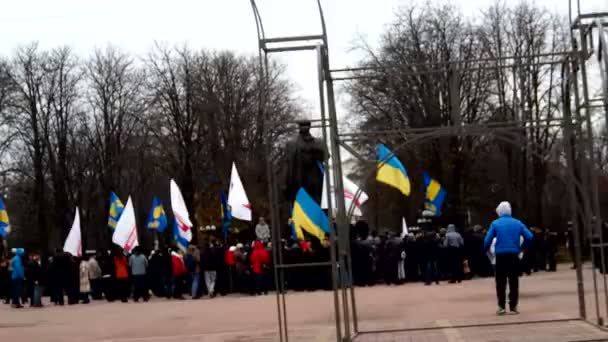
(18, 251)
(503, 209)
(451, 228)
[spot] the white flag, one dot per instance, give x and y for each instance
(73, 243)
(237, 198)
(180, 211)
(404, 231)
(125, 234)
(350, 190)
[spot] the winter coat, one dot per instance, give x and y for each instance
(241, 261)
(259, 258)
(121, 266)
(507, 231)
(85, 284)
(229, 258)
(453, 238)
(17, 271)
(34, 272)
(94, 269)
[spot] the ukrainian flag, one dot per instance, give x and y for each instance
(434, 194)
(295, 234)
(5, 226)
(391, 171)
(225, 214)
(157, 219)
(307, 215)
(116, 208)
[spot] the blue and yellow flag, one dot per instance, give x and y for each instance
(294, 234)
(225, 214)
(116, 208)
(157, 218)
(5, 226)
(434, 194)
(307, 215)
(391, 171)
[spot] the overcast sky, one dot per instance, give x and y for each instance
(134, 25)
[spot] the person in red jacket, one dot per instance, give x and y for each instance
(179, 274)
(260, 259)
(230, 261)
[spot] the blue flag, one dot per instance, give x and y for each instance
(116, 208)
(5, 226)
(157, 219)
(434, 194)
(225, 214)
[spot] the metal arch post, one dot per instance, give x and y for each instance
(591, 165)
(341, 218)
(568, 134)
(602, 59)
(343, 231)
(333, 235)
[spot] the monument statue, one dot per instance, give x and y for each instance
(304, 153)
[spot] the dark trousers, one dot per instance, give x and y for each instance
(16, 289)
(140, 290)
(456, 271)
(430, 272)
(96, 288)
(122, 289)
(552, 267)
(507, 269)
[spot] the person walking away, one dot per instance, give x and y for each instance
(17, 277)
(260, 259)
(94, 277)
(179, 273)
(551, 250)
(193, 264)
(121, 276)
(455, 244)
(429, 248)
(106, 263)
(139, 265)
(262, 231)
(209, 267)
(85, 282)
(508, 232)
(35, 275)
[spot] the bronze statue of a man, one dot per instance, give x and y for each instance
(304, 154)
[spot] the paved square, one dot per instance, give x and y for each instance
(544, 296)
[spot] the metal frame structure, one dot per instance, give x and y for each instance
(575, 124)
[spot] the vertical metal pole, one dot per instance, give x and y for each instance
(276, 244)
(596, 222)
(584, 175)
(602, 61)
(334, 270)
(341, 219)
(568, 134)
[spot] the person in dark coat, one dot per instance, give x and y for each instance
(34, 274)
(107, 276)
(551, 250)
(60, 276)
(5, 280)
(392, 256)
(429, 249)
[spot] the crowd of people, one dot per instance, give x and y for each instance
(214, 269)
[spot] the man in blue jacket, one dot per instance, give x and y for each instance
(17, 277)
(508, 232)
